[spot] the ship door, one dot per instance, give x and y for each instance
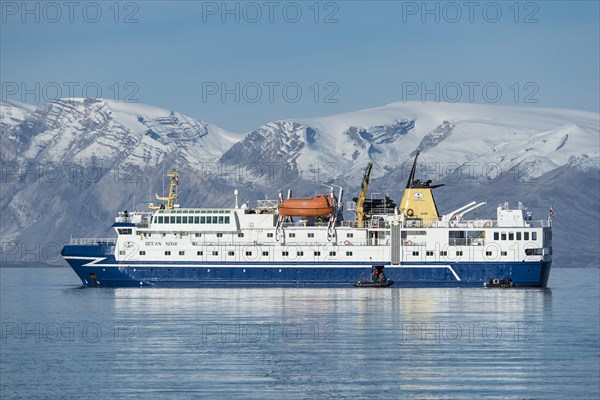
(373, 238)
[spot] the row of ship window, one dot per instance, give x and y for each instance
(458, 253)
(194, 211)
(248, 253)
(512, 235)
(269, 234)
(316, 253)
(179, 219)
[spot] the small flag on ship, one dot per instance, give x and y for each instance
(177, 180)
(551, 212)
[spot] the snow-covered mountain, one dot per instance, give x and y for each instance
(469, 136)
(70, 165)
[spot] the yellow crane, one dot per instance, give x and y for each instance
(360, 202)
(170, 199)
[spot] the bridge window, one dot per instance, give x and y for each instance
(124, 231)
(466, 238)
(503, 235)
(496, 236)
(202, 220)
(226, 220)
(160, 219)
(518, 235)
(525, 235)
(511, 236)
(178, 219)
(221, 219)
(533, 235)
(173, 219)
(184, 220)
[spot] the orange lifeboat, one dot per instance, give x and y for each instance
(317, 206)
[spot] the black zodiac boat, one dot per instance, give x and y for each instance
(368, 284)
(499, 283)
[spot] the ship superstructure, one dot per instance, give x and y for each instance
(302, 242)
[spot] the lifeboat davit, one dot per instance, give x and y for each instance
(316, 206)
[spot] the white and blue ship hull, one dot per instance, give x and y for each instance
(102, 270)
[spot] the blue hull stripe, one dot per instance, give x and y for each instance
(109, 273)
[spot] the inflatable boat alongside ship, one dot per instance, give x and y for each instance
(302, 242)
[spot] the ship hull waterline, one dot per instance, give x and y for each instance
(104, 272)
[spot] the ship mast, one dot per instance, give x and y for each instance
(360, 202)
(170, 199)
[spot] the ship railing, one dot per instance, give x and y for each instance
(93, 241)
(481, 223)
(371, 224)
(267, 204)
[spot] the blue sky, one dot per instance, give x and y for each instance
(225, 63)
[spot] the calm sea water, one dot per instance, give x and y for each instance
(61, 341)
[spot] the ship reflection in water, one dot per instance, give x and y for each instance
(458, 343)
(403, 342)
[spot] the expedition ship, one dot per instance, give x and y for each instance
(303, 242)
